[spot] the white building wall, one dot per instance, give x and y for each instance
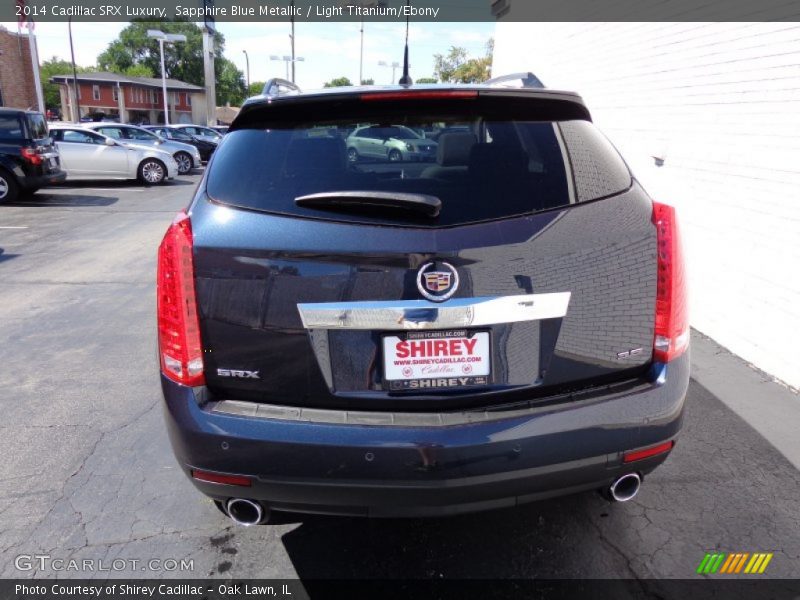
(720, 102)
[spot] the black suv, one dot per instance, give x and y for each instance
(399, 338)
(28, 158)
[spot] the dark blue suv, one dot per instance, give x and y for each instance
(401, 338)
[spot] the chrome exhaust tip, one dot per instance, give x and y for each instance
(625, 487)
(246, 512)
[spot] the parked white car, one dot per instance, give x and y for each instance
(87, 154)
(185, 155)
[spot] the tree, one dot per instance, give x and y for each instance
(444, 67)
(182, 60)
(369, 81)
(457, 67)
(338, 82)
(231, 87)
(50, 68)
(255, 89)
(138, 71)
(427, 80)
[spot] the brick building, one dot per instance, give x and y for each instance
(132, 99)
(17, 89)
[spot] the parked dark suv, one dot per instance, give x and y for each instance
(28, 159)
(397, 338)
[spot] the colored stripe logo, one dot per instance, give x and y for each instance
(734, 563)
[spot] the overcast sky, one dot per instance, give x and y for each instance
(330, 49)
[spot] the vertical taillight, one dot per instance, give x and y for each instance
(179, 346)
(672, 316)
(31, 155)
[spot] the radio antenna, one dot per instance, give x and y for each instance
(406, 78)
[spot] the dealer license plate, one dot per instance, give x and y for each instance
(423, 360)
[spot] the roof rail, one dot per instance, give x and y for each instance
(279, 87)
(526, 80)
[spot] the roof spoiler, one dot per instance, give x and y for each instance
(279, 87)
(516, 80)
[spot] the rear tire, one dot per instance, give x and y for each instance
(352, 155)
(152, 172)
(9, 188)
(184, 161)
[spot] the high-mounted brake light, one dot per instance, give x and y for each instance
(635, 455)
(672, 315)
(180, 349)
(31, 155)
(421, 95)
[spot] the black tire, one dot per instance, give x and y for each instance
(185, 163)
(352, 155)
(9, 188)
(152, 172)
(395, 155)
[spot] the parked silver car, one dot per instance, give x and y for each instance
(202, 133)
(87, 154)
(395, 143)
(186, 155)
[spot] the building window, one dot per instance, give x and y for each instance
(96, 92)
(152, 97)
(115, 93)
(1, 97)
(188, 99)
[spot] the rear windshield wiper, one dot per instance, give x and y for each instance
(429, 206)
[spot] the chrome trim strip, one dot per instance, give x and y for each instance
(404, 315)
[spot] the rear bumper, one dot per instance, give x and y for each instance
(303, 465)
(38, 181)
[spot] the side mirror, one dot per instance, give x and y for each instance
(110, 142)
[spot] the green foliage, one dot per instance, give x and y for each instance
(457, 67)
(338, 82)
(182, 60)
(139, 71)
(256, 87)
(427, 80)
(49, 68)
(133, 53)
(231, 87)
(369, 81)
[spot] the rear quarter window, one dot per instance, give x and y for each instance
(37, 126)
(482, 167)
(10, 127)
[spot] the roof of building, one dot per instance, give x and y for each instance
(106, 77)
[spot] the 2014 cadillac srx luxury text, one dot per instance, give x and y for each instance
(389, 336)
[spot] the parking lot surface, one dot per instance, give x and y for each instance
(87, 471)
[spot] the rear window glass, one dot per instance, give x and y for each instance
(38, 126)
(10, 127)
(480, 169)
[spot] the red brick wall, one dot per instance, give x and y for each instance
(16, 73)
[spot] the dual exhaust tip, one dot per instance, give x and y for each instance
(249, 512)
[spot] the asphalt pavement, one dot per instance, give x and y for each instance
(87, 471)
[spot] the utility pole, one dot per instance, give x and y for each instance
(292, 37)
(208, 63)
(247, 60)
(76, 107)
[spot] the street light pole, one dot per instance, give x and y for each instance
(164, 82)
(247, 60)
(292, 38)
(164, 37)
